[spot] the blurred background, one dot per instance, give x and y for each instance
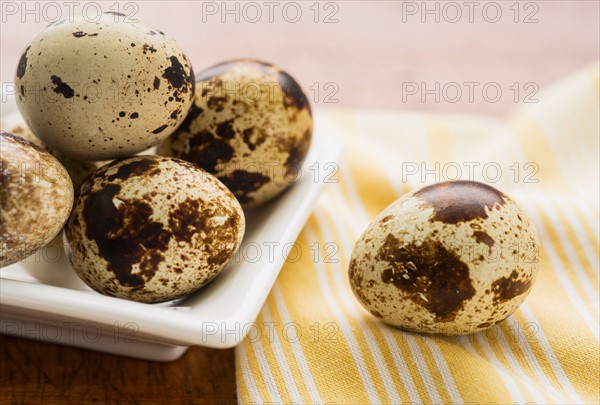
(472, 57)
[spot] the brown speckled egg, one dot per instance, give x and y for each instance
(36, 196)
(78, 169)
(152, 229)
(250, 125)
(102, 90)
(451, 258)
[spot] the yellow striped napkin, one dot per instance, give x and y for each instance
(317, 344)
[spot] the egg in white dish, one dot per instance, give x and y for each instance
(250, 125)
(152, 229)
(78, 169)
(99, 90)
(36, 196)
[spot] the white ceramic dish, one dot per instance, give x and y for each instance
(42, 297)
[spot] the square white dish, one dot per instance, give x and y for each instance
(42, 297)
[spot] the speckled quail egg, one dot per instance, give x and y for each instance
(451, 258)
(152, 228)
(78, 169)
(250, 125)
(102, 90)
(36, 196)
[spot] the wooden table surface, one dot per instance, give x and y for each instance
(369, 54)
(44, 373)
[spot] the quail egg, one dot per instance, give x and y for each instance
(36, 196)
(250, 125)
(77, 169)
(102, 90)
(152, 228)
(451, 258)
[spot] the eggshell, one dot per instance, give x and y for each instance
(102, 90)
(78, 169)
(250, 125)
(451, 258)
(152, 229)
(36, 196)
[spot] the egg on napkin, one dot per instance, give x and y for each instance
(451, 258)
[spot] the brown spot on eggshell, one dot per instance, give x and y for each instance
(208, 151)
(242, 183)
(186, 221)
(217, 103)
(225, 129)
(22, 66)
(460, 201)
(435, 278)
(124, 235)
(160, 129)
(254, 137)
(137, 168)
(506, 288)
(483, 237)
(61, 87)
(148, 48)
(176, 74)
(294, 96)
(387, 218)
(193, 113)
